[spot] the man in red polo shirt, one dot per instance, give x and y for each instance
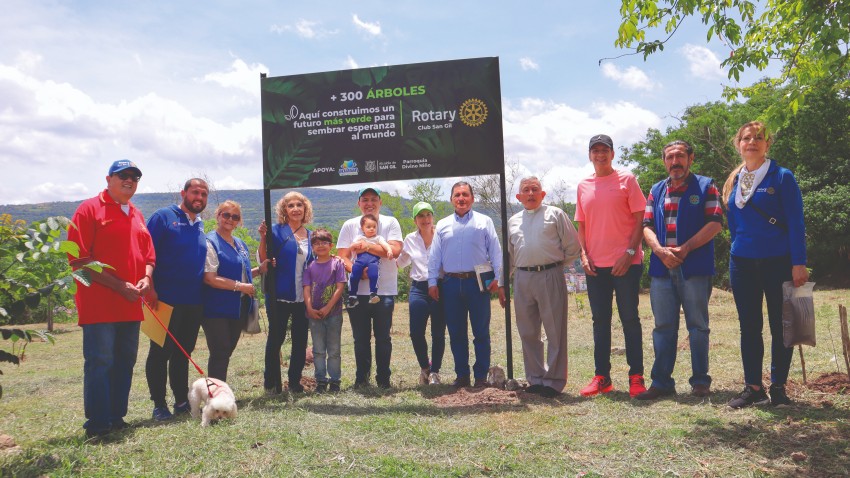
(109, 229)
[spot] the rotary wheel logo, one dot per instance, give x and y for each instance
(473, 112)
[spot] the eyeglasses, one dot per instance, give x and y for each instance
(123, 175)
(234, 217)
(321, 243)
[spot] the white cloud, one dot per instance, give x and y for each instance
(229, 182)
(373, 29)
(528, 64)
(350, 63)
(27, 60)
(61, 131)
(549, 137)
(240, 76)
(632, 78)
(47, 192)
(305, 29)
(702, 62)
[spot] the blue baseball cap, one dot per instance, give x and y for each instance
(365, 190)
(123, 164)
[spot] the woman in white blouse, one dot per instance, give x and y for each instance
(417, 244)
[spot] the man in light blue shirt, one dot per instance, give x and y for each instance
(462, 241)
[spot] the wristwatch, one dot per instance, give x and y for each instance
(630, 252)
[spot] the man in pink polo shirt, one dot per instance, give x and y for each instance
(609, 211)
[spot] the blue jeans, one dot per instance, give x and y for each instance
(668, 295)
(278, 322)
(752, 280)
(327, 335)
(600, 292)
(462, 298)
(421, 307)
(371, 263)
(366, 318)
(110, 352)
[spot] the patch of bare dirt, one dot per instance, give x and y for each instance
(8, 445)
(7, 442)
(470, 397)
(309, 384)
(831, 383)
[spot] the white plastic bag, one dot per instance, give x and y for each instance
(798, 314)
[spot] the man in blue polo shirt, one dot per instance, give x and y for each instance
(181, 247)
(682, 217)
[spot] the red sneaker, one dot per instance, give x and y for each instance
(636, 385)
(597, 385)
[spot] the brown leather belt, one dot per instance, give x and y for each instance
(461, 275)
(538, 268)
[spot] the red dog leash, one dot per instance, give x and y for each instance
(200, 371)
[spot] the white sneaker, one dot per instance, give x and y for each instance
(434, 378)
(423, 377)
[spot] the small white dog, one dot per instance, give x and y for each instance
(496, 376)
(215, 397)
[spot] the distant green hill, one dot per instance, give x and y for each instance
(330, 207)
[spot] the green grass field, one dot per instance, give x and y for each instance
(434, 431)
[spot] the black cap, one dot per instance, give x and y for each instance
(601, 139)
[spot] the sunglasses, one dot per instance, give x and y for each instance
(234, 217)
(123, 175)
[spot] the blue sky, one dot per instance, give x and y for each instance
(174, 85)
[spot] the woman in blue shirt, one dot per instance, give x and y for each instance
(292, 252)
(227, 289)
(765, 214)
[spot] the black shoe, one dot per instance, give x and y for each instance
(358, 384)
(778, 398)
(96, 433)
(536, 388)
(384, 384)
(296, 387)
(701, 390)
(749, 396)
(481, 383)
(334, 387)
(275, 390)
(373, 298)
(549, 392)
(461, 382)
(353, 302)
(655, 393)
(321, 387)
(118, 424)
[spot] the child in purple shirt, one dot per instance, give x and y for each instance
(324, 280)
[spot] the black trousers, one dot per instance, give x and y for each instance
(167, 363)
(222, 337)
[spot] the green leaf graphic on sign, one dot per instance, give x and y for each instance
(290, 166)
(369, 76)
